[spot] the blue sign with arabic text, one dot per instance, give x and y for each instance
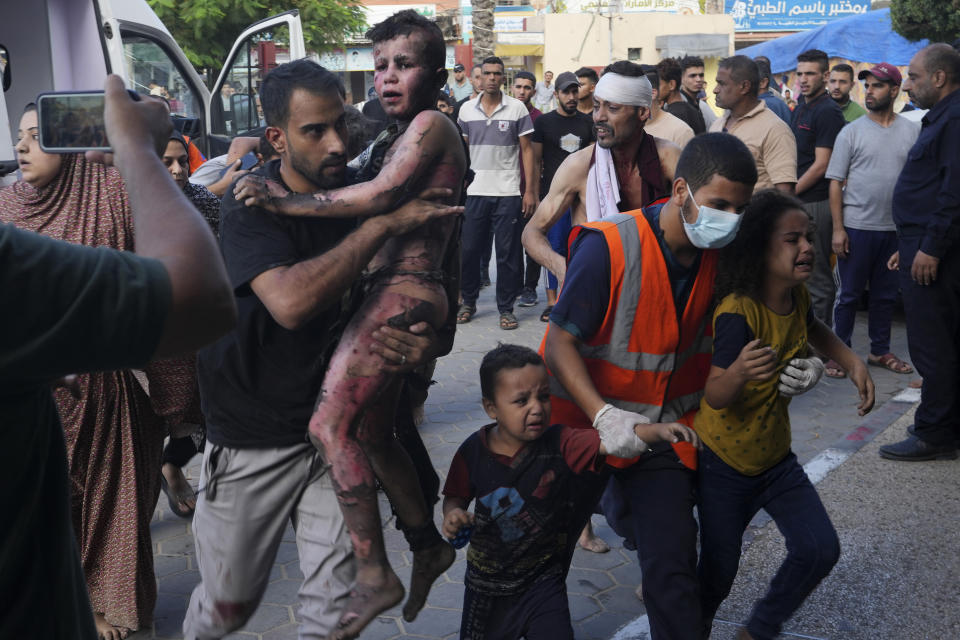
(791, 15)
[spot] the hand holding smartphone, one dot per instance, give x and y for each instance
(73, 121)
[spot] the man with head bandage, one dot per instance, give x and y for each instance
(625, 170)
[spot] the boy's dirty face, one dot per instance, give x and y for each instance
(521, 404)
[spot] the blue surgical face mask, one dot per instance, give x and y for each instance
(713, 229)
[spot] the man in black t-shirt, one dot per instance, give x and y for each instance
(816, 122)
(671, 76)
(291, 277)
(555, 136)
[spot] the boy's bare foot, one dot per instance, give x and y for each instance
(590, 542)
(367, 601)
(107, 631)
(428, 565)
(639, 592)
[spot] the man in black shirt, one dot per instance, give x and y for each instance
(673, 101)
(291, 277)
(816, 122)
(692, 86)
(555, 136)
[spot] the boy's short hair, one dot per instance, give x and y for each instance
(815, 55)
(406, 22)
(525, 75)
(624, 68)
(843, 67)
(690, 61)
(494, 60)
(588, 73)
(669, 70)
(711, 154)
(504, 356)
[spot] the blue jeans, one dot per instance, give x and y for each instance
(728, 500)
(867, 263)
(503, 215)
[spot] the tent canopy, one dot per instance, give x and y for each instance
(868, 37)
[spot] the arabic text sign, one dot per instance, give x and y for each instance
(790, 15)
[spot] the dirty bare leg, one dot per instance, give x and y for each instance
(354, 380)
(106, 630)
(432, 556)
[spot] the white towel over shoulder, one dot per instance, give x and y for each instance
(603, 190)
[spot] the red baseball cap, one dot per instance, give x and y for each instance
(883, 71)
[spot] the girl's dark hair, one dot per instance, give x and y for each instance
(742, 266)
(504, 356)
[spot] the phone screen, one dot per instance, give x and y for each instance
(71, 122)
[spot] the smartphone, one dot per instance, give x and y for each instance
(72, 121)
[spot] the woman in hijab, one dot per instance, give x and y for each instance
(113, 429)
(186, 442)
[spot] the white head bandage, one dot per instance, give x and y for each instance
(636, 92)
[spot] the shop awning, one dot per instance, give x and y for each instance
(704, 45)
(518, 50)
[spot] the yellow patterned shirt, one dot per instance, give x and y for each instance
(753, 433)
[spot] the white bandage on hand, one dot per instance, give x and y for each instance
(799, 376)
(616, 431)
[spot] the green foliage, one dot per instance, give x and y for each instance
(938, 20)
(206, 29)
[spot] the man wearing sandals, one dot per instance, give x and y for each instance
(495, 126)
(867, 157)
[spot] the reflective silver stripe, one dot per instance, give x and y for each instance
(651, 411)
(676, 408)
(629, 233)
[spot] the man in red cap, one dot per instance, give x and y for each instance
(868, 155)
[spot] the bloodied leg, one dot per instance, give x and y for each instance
(354, 419)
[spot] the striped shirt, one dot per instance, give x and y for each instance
(494, 145)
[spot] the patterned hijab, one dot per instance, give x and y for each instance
(85, 203)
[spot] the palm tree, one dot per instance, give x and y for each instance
(483, 36)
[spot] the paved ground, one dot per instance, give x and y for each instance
(602, 586)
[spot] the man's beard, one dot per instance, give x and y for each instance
(879, 105)
(315, 173)
(569, 111)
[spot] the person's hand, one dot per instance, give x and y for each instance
(924, 269)
(455, 520)
(893, 264)
(529, 204)
(133, 126)
(841, 243)
(671, 432)
(617, 434)
(861, 378)
(800, 375)
(233, 172)
(419, 211)
(258, 191)
(756, 361)
(404, 351)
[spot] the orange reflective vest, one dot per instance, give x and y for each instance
(642, 359)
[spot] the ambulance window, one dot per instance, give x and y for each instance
(153, 72)
(5, 67)
(238, 110)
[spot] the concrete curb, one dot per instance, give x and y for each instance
(874, 423)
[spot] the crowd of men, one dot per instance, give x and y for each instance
(586, 176)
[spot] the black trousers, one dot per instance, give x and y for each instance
(660, 494)
(933, 336)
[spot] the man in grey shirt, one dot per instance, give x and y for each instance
(868, 155)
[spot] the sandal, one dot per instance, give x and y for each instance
(465, 313)
(833, 370)
(508, 321)
(889, 362)
(545, 316)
